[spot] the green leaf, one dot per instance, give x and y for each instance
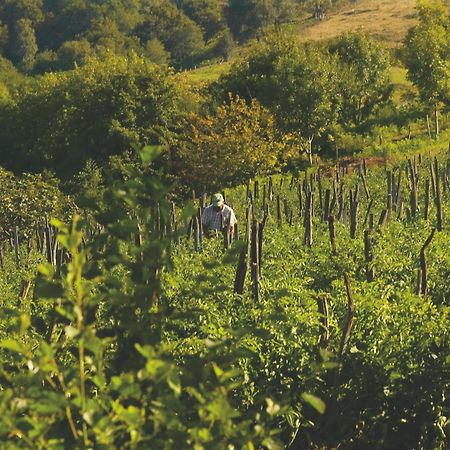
(315, 402)
(174, 383)
(11, 344)
(149, 153)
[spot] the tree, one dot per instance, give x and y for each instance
(206, 13)
(365, 75)
(156, 52)
(427, 55)
(24, 47)
(73, 53)
(236, 142)
(181, 36)
(4, 33)
(297, 84)
(94, 111)
(247, 17)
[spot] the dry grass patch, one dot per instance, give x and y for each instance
(386, 20)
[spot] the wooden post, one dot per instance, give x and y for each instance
(332, 231)
(427, 199)
(349, 323)
(423, 264)
(366, 188)
(308, 239)
(279, 216)
(286, 209)
(326, 209)
(255, 261)
(368, 254)
(300, 200)
(48, 243)
(16, 244)
(319, 184)
(322, 306)
(341, 202)
(400, 211)
(436, 121)
(196, 229)
(260, 237)
(382, 219)
(366, 217)
(413, 187)
(242, 266)
(398, 190)
(354, 207)
(200, 227)
(438, 197)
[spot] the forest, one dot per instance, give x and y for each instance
(320, 322)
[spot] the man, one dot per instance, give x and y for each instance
(218, 216)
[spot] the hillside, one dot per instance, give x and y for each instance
(384, 19)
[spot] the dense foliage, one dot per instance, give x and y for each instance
(39, 35)
(234, 144)
(135, 342)
(121, 326)
(64, 119)
(427, 53)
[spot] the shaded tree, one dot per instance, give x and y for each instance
(181, 36)
(23, 47)
(427, 55)
(365, 75)
(209, 14)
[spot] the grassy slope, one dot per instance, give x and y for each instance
(386, 20)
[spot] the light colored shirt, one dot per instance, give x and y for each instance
(218, 220)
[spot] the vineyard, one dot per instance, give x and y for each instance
(318, 321)
(321, 323)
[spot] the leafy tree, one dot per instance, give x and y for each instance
(181, 36)
(91, 112)
(246, 17)
(365, 75)
(297, 84)
(66, 20)
(237, 142)
(222, 45)
(3, 36)
(73, 53)
(156, 52)
(208, 14)
(11, 11)
(27, 200)
(23, 46)
(4, 93)
(106, 34)
(10, 76)
(427, 55)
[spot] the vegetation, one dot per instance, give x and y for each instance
(322, 323)
(135, 342)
